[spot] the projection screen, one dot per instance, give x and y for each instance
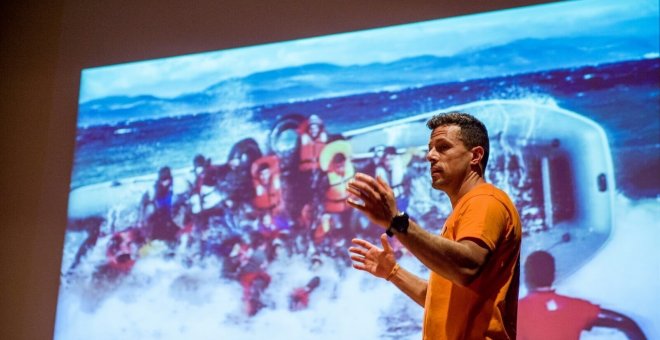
(207, 191)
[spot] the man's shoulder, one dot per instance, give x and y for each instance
(488, 195)
(487, 191)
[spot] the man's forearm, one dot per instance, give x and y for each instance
(411, 285)
(452, 260)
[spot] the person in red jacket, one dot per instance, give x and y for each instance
(299, 298)
(544, 314)
(313, 138)
(267, 185)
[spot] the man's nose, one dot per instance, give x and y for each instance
(430, 156)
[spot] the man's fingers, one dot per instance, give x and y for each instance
(364, 177)
(386, 244)
(357, 200)
(358, 251)
(363, 187)
(382, 187)
(352, 190)
(355, 204)
(356, 258)
(362, 243)
(359, 266)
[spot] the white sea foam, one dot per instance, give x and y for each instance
(164, 300)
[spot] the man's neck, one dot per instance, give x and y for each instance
(472, 180)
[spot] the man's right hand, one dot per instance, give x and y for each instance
(368, 257)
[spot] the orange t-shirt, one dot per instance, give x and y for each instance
(487, 307)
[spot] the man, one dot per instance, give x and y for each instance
(545, 314)
(204, 201)
(159, 202)
(472, 290)
(313, 139)
(267, 185)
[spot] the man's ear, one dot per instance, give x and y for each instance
(477, 155)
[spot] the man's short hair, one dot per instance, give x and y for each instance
(473, 131)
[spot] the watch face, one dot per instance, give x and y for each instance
(400, 222)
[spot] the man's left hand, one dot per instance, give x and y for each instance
(378, 200)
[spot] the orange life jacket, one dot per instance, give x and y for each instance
(122, 251)
(336, 195)
(310, 150)
(268, 196)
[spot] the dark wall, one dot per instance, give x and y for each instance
(43, 47)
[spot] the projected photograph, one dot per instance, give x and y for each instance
(208, 191)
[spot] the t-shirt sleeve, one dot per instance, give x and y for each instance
(483, 218)
(588, 313)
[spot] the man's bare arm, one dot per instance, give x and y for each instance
(459, 262)
(411, 285)
(381, 262)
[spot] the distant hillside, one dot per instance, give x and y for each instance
(313, 81)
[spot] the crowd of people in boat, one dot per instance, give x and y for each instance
(260, 206)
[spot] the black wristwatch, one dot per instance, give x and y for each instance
(399, 224)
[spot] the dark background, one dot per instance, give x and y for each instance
(43, 47)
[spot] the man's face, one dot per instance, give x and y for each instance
(449, 157)
(314, 130)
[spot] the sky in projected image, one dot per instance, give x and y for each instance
(207, 190)
(455, 36)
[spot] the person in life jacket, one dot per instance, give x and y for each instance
(392, 169)
(202, 185)
(299, 298)
(335, 161)
(313, 139)
(267, 185)
(252, 274)
(158, 201)
(204, 199)
(123, 249)
(236, 181)
(267, 228)
(322, 229)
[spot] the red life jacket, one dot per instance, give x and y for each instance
(322, 229)
(268, 196)
(299, 299)
(122, 251)
(310, 150)
(336, 195)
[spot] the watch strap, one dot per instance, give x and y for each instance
(398, 223)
